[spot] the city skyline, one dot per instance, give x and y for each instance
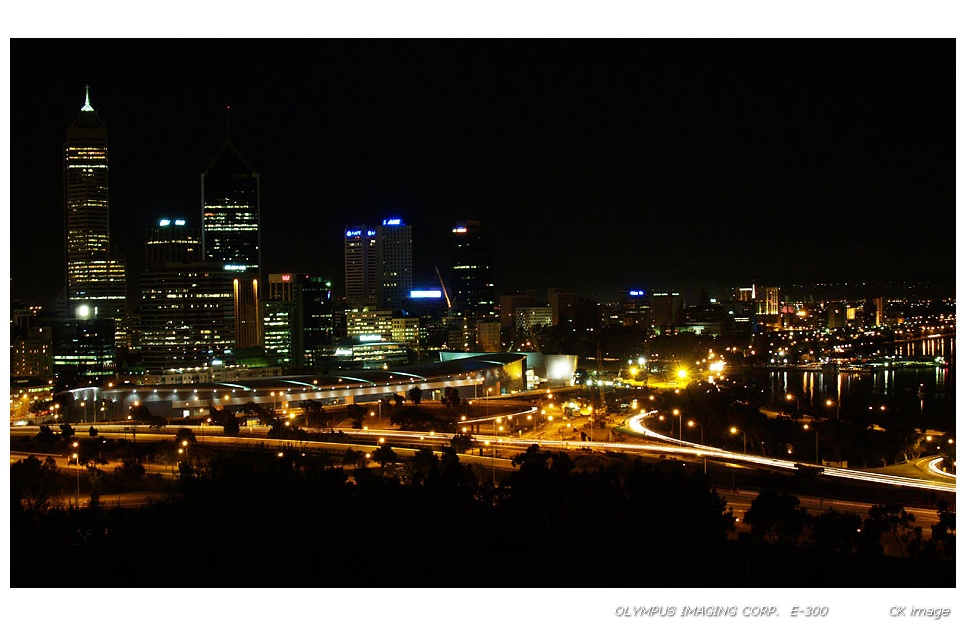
(597, 166)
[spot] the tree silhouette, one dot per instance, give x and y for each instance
(356, 414)
(315, 414)
(354, 458)
(415, 394)
(32, 483)
(944, 531)
(422, 464)
(231, 427)
(385, 455)
(46, 435)
(776, 517)
(893, 520)
(837, 532)
(461, 442)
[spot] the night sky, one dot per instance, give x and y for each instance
(595, 165)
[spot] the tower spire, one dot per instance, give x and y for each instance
(228, 122)
(87, 99)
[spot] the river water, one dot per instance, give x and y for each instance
(923, 391)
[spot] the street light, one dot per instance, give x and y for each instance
(77, 463)
(829, 403)
(692, 423)
(806, 426)
(678, 414)
(492, 460)
(744, 443)
(798, 403)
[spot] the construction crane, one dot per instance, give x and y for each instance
(449, 303)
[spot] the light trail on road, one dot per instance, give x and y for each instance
(636, 425)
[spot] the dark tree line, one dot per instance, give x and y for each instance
(310, 520)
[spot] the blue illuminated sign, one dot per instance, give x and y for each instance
(353, 233)
(392, 222)
(636, 292)
(164, 223)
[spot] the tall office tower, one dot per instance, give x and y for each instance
(394, 262)
(231, 236)
(769, 308)
(248, 315)
(361, 274)
(471, 271)
(316, 319)
(172, 241)
(187, 308)
(562, 304)
(83, 350)
(769, 301)
(298, 318)
(96, 281)
(280, 320)
(635, 308)
(666, 308)
(230, 212)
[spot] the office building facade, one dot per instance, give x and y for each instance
(187, 312)
(471, 271)
(361, 275)
(230, 212)
(394, 262)
(95, 271)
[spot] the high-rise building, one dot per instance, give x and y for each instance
(471, 271)
(369, 325)
(172, 241)
(31, 354)
(316, 319)
(529, 319)
(297, 318)
(95, 271)
(635, 308)
(361, 274)
(231, 236)
(230, 212)
(187, 312)
(509, 303)
(666, 308)
(394, 262)
(83, 350)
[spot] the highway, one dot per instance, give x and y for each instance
(498, 449)
(932, 479)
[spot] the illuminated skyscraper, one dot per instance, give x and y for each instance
(230, 212)
(394, 262)
(361, 275)
(187, 313)
(95, 276)
(230, 234)
(298, 318)
(471, 271)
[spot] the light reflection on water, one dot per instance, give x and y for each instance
(923, 390)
